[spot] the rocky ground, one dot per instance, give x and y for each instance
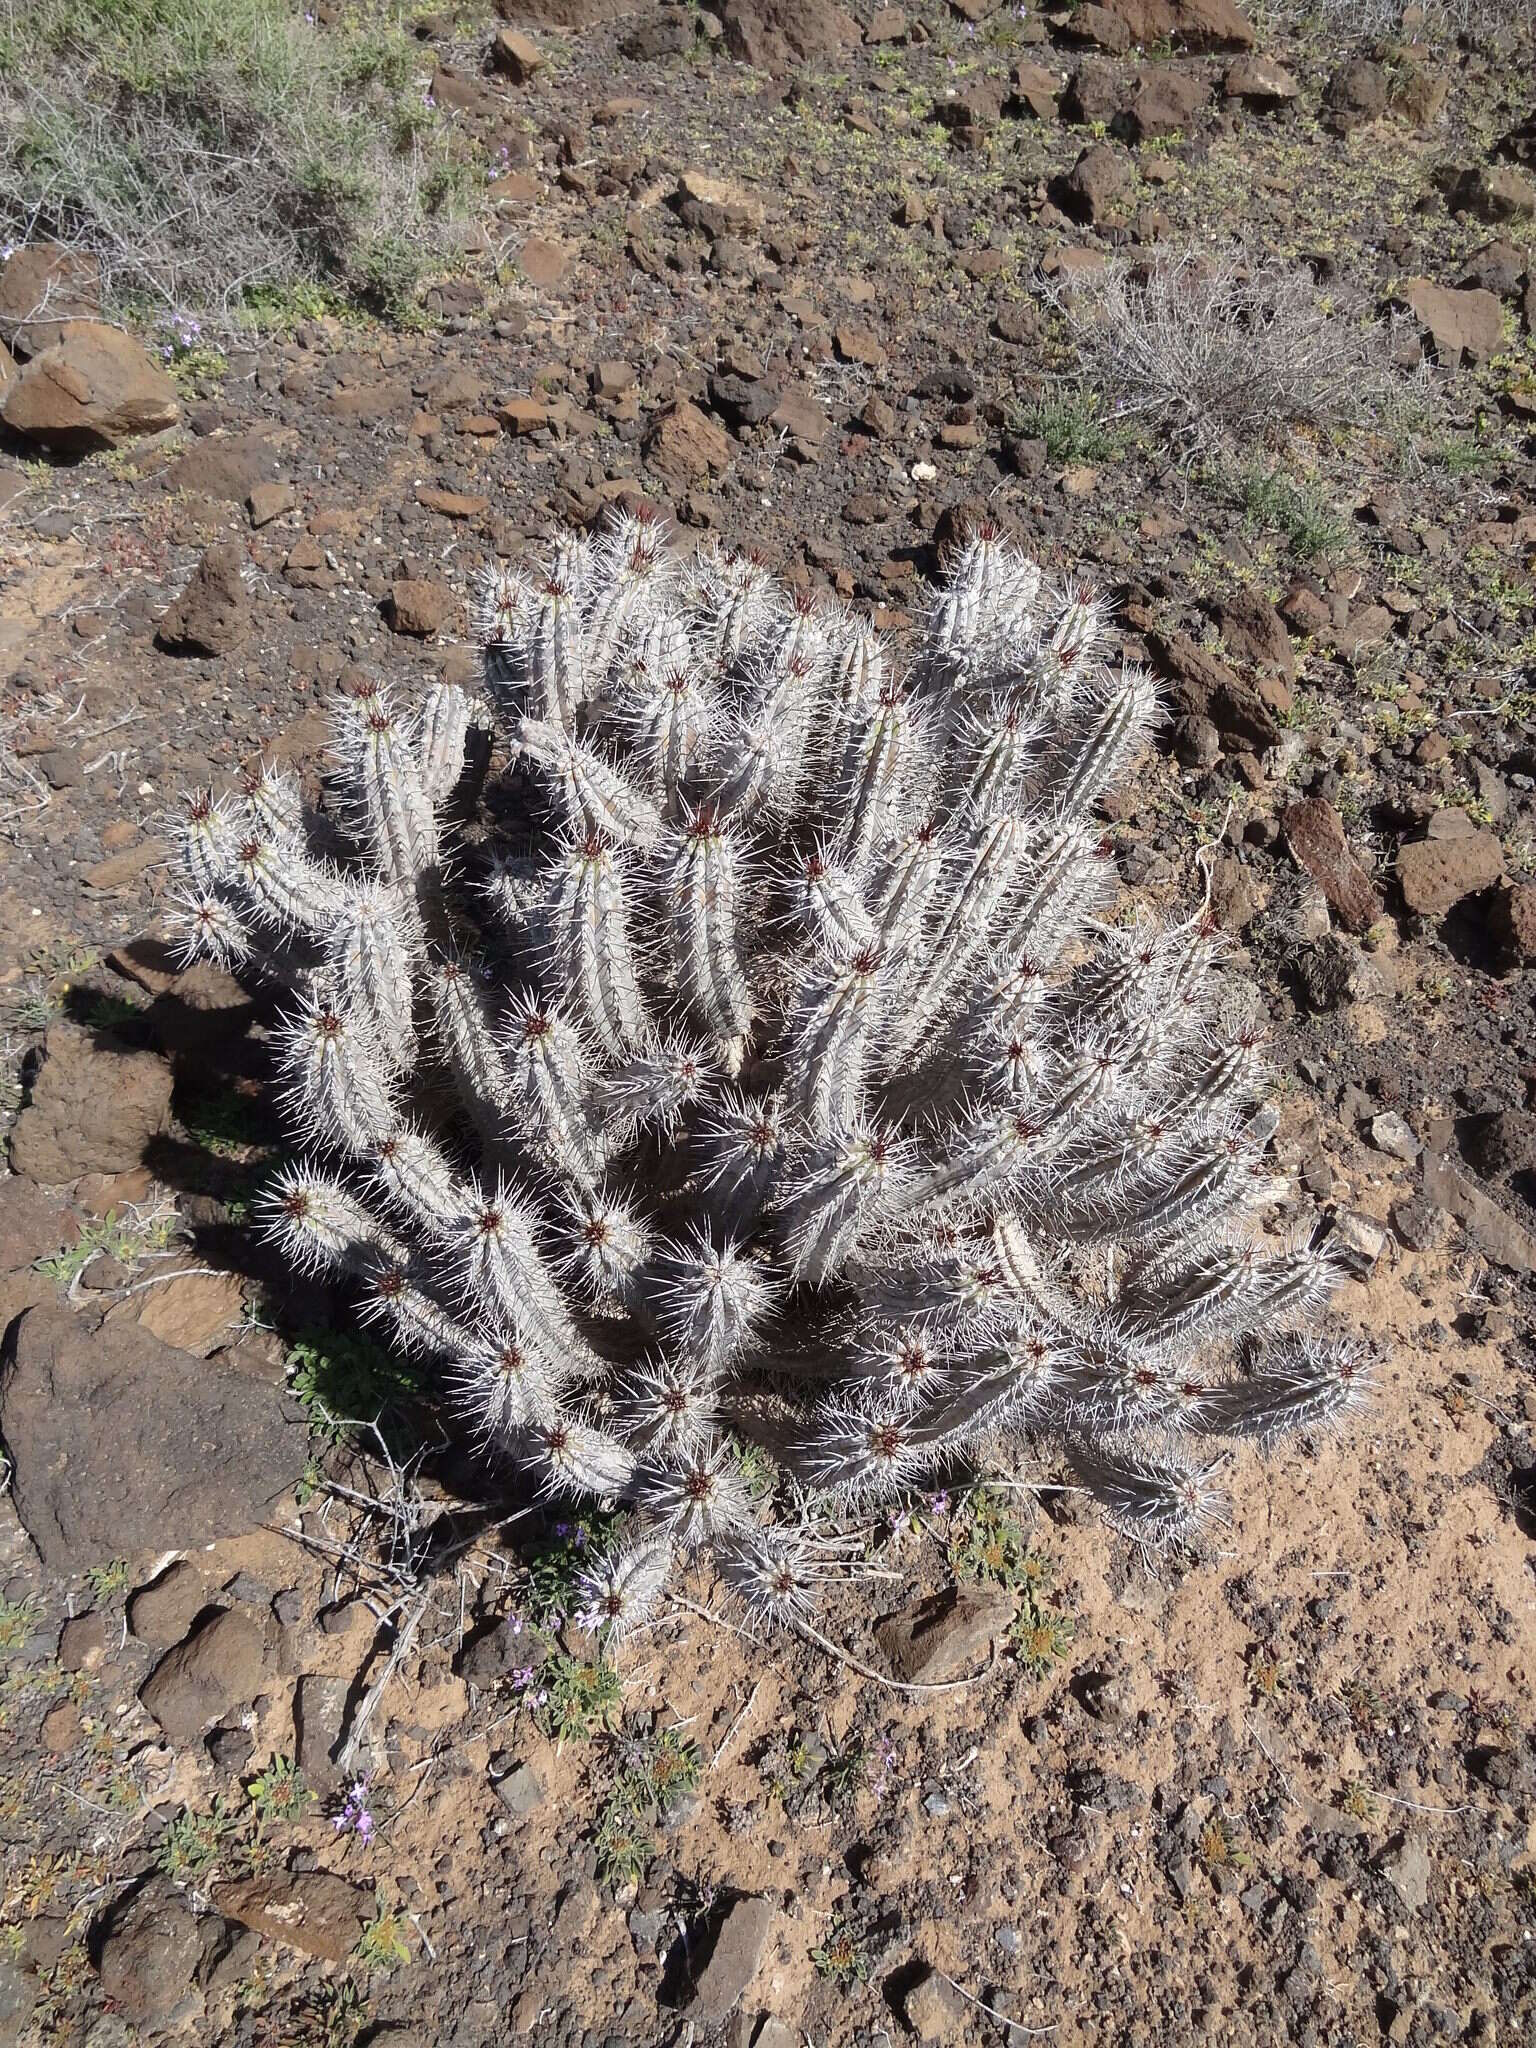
(292, 1748)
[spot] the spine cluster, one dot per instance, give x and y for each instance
(788, 1079)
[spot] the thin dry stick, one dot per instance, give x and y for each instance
(992, 2012)
(397, 1656)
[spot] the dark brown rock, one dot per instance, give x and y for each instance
(32, 1224)
(1314, 832)
(41, 287)
(124, 1446)
(946, 1635)
(148, 1953)
(517, 56)
(213, 614)
(685, 444)
(1099, 185)
(94, 388)
(1495, 193)
(1460, 323)
(771, 35)
(95, 1108)
(1435, 874)
(161, 1612)
(1204, 687)
(314, 1911)
(732, 1961)
(225, 467)
(217, 1667)
(1166, 102)
(1195, 25)
(421, 610)
(1253, 631)
(1512, 923)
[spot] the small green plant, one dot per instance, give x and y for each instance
(108, 1581)
(1073, 426)
(193, 1843)
(331, 2017)
(1364, 1702)
(580, 1699)
(126, 1236)
(1277, 503)
(18, 1618)
(845, 1772)
(987, 1542)
(840, 1956)
(227, 1124)
(623, 1842)
(1041, 1638)
(382, 1944)
(1357, 1800)
(278, 1793)
(341, 1377)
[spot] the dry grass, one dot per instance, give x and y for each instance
(217, 154)
(1215, 352)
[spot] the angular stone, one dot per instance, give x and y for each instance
(1258, 81)
(1098, 185)
(935, 2011)
(1512, 924)
(1034, 90)
(684, 444)
(1254, 631)
(95, 1107)
(420, 609)
(1195, 25)
(42, 286)
(269, 501)
(798, 415)
(946, 1635)
(1204, 687)
(771, 34)
(516, 55)
(161, 1612)
(1492, 1229)
(732, 1961)
(453, 504)
(542, 262)
(1435, 874)
(94, 388)
(1166, 103)
(195, 1312)
(213, 614)
(1495, 193)
(1460, 323)
(123, 1446)
(1314, 832)
(217, 1667)
(32, 1224)
(226, 467)
(149, 1950)
(737, 205)
(320, 1725)
(314, 1911)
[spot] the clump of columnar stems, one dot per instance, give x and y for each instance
(794, 1079)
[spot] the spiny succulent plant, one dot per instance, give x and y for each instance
(786, 1078)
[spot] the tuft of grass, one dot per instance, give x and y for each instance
(18, 1618)
(1276, 503)
(215, 154)
(126, 1236)
(1074, 427)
